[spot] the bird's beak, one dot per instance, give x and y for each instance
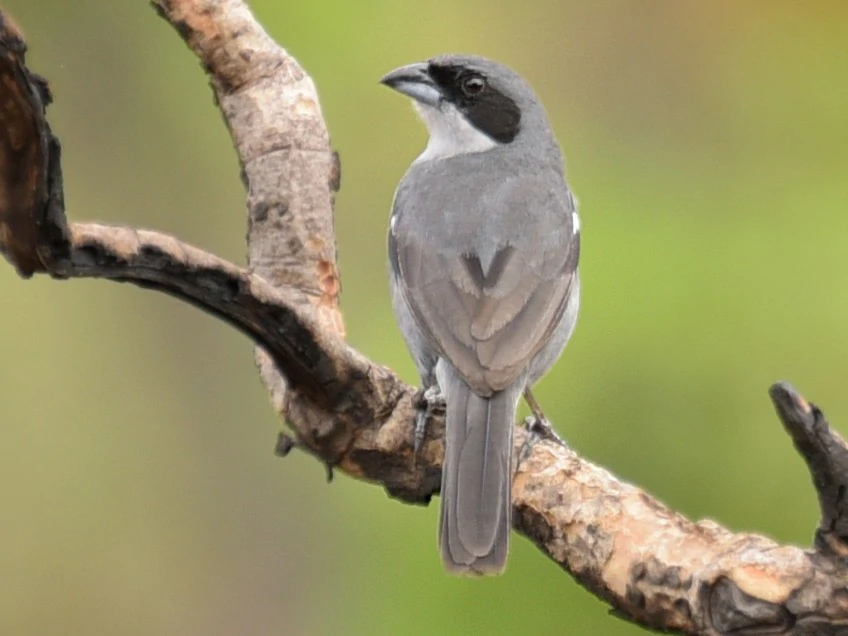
(414, 80)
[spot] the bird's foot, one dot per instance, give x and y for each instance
(538, 429)
(431, 402)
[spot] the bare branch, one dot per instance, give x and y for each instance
(31, 206)
(826, 455)
(272, 111)
(652, 565)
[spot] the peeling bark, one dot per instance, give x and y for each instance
(271, 108)
(652, 565)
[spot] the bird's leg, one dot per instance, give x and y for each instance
(538, 427)
(431, 402)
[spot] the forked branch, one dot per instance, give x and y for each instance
(652, 565)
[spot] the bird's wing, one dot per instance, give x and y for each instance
(490, 315)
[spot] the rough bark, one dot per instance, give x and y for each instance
(652, 565)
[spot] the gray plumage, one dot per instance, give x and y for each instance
(484, 247)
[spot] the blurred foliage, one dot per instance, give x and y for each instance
(707, 145)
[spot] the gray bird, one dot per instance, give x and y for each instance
(484, 244)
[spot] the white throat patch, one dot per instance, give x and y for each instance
(450, 133)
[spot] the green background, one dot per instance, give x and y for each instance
(707, 145)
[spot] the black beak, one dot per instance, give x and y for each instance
(414, 80)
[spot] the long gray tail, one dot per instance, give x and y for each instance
(476, 477)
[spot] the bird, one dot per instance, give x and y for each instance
(484, 248)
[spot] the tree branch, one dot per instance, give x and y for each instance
(827, 458)
(652, 565)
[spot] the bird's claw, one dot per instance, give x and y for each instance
(538, 429)
(431, 402)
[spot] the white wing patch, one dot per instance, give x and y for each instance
(575, 218)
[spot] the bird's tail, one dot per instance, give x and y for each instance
(476, 477)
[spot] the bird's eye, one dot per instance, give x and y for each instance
(473, 85)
